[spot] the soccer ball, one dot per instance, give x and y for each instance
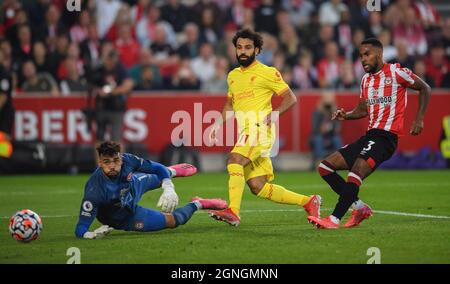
(25, 225)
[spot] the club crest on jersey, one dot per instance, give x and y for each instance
(130, 175)
(388, 81)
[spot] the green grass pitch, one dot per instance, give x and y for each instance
(269, 232)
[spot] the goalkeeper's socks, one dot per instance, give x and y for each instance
(183, 214)
(348, 196)
(236, 184)
(328, 173)
(279, 194)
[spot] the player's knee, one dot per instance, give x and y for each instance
(325, 168)
(170, 221)
(237, 159)
(255, 186)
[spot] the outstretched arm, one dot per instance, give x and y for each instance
(227, 113)
(424, 96)
(358, 112)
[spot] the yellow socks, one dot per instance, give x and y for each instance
(279, 194)
(236, 185)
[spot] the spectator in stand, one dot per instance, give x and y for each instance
(123, 18)
(23, 50)
(165, 56)
(49, 31)
(290, 44)
(90, 48)
(343, 31)
(79, 32)
(73, 54)
(438, 66)
(236, 12)
(317, 45)
(420, 69)
(409, 29)
(351, 51)
(20, 18)
(249, 20)
(270, 47)
(176, 14)
(375, 24)
(7, 58)
(190, 48)
(127, 46)
(59, 54)
(304, 73)
(40, 58)
(38, 82)
(330, 12)
(427, 14)
(146, 81)
(210, 31)
(265, 17)
(389, 51)
(204, 65)
(107, 11)
(300, 11)
(403, 57)
(184, 78)
(347, 78)
(73, 81)
(146, 27)
(359, 15)
(152, 79)
(328, 67)
(218, 84)
(395, 12)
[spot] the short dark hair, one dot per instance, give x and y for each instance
(373, 41)
(247, 33)
(108, 148)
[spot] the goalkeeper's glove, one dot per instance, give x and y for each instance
(98, 233)
(169, 199)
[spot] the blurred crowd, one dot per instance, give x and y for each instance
(186, 44)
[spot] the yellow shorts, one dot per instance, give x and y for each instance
(260, 162)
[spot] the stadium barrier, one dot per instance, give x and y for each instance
(152, 118)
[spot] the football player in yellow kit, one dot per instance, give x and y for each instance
(250, 90)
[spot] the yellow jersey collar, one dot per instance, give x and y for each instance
(254, 63)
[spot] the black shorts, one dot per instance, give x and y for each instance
(375, 147)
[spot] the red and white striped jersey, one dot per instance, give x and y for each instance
(386, 97)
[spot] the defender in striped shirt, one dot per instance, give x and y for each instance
(383, 98)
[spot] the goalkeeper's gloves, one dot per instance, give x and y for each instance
(98, 233)
(169, 199)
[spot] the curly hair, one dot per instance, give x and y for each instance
(108, 148)
(247, 33)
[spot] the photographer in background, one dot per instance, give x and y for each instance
(112, 87)
(325, 137)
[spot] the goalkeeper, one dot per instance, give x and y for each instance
(114, 189)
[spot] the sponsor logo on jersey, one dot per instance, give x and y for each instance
(381, 100)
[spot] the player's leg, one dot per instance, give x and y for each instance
(360, 170)
(147, 220)
(277, 193)
(327, 170)
(140, 183)
(236, 181)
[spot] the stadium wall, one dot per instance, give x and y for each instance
(152, 118)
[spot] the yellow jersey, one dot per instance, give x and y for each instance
(251, 89)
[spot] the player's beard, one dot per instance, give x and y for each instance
(248, 61)
(112, 174)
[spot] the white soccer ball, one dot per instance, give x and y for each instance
(25, 225)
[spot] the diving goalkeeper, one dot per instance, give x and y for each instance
(114, 189)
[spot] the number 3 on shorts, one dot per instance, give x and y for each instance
(369, 145)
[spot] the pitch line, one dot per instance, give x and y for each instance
(290, 210)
